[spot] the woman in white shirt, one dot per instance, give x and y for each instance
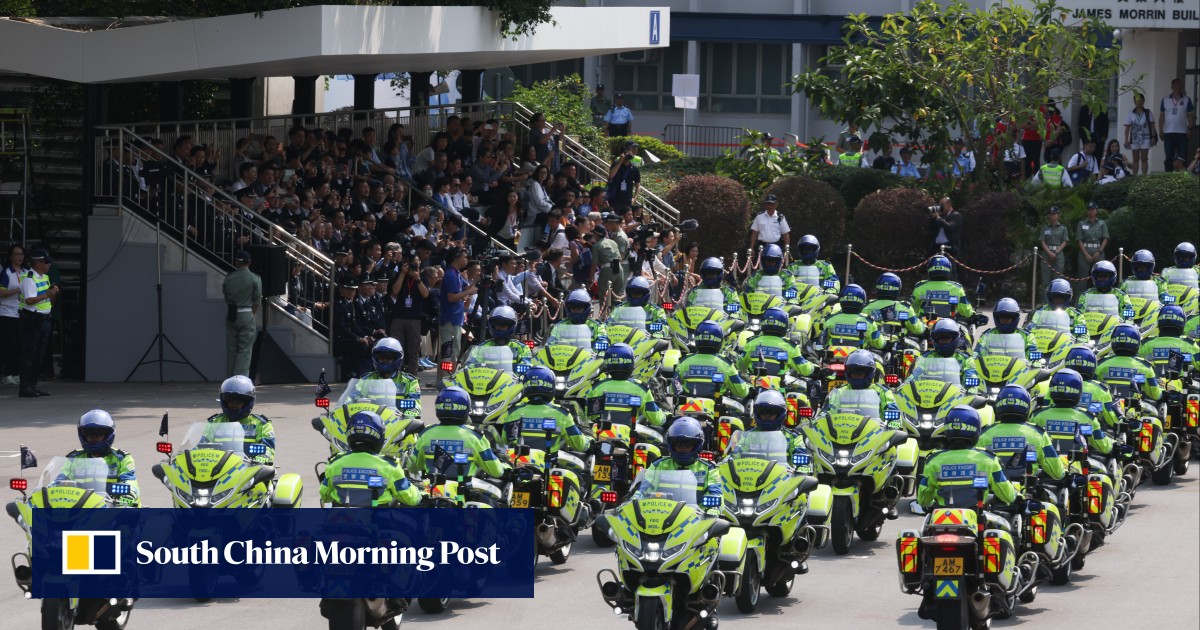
(10, 296)
(1139, 135)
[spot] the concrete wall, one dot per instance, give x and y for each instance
(1157, 58)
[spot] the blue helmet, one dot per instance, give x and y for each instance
(685, 440)
(1185, 255)
(961, 428)
(1059, 293)
(1066, 387)
(860, 369)
(1171, 321)
(618, 361)
(638, 291)
(808, 249)
(579, 306)
(712, 272)
(452, 406)
(1104, 275)
(1082, 360)
(945, 336)
(709, 337)
(939, 268)
(1007, 315)
(772, 259)
(502, 323)
(237, 397)
(775, 322)
(1143, 264)
(1126, 340)
(853, 299)
(770, 410)
(539, 384)
(888, 285)
(98, 424)
(1013, 404)
(387, 356)
(364, 432)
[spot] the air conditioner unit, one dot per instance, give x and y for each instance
(636, 56)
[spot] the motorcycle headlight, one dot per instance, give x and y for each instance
(183, 494)
(766, 505)
(477, 407)
(842, 458)
(652, 552)
(218, 497)
(671, 551)
(854, 459)
(926, 421)
(202, 497)
(632, 548)
(746, 507)
(560, 382)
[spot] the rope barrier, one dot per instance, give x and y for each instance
(885, 269)
(1058, 273)
(996, 272)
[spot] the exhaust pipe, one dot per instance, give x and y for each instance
(891, 492)
(545, 535)
(610, 590)
(981, 603)
(710, 593)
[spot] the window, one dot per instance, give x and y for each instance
(745, 78)
(647, 84)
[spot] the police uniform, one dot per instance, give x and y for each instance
(853, 159)
(771, 229)
(351, 352)
(1053, 175)
(599, 106)
(34, 326)
(243, 293)
(1055, 237)
(1092, 235)
(618, 118)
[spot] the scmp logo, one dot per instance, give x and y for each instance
(91, 553)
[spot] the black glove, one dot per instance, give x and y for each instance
(508, 475)
(1124, 452)
(979, 319)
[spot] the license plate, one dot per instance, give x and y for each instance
(520, 499)
(948, 566)
(834, 384)
(601, 472)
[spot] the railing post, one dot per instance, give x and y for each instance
(183, 231)
(1120, 264)
(849, 253)
(1033, 283)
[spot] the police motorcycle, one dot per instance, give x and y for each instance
(629, 325)
(832, 357)
(1143, 430)
(1182, 285)
(212, 470)
(764, 493)
(623, 446)
(930, 392)
(1180, 403)
(1003, 360)
(816, 298)
(868, 466)
(67, 484)
(674, 562)
(941, 305)
(1054, 333)
(401, 418)
(902, 348)
(699, 397)
(490, 375)
(965, 564)
(570, 353)
(769, 374)
(683, 322)
(771, 292)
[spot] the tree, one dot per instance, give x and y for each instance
(563, 99)
(941, 71)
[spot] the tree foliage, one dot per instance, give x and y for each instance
(721, 207)
(942, 71)
(757, 165)
(562, 99)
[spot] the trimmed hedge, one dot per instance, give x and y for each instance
(722, 208)
(1114, 195)
(864, 181)
(812, 207)
(660, 149)
(890, 229)
(1164, 209)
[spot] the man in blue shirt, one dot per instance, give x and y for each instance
(452, 299)
(905, 167)
(619, 118)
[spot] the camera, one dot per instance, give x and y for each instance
(935, 209)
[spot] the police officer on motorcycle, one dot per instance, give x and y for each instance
(808, 252)
(97, 431)
(1143, 269)
(771, 265)
(850, 327)
(539, 405)
(1171, 321)
(773, 350)
(502, 325)
(938, 287)
(387, 357)
(637, 293)
(237, 405)
(578, 311)
(1066, 387)
(352, 471)
(1104, 281)
(949, 474)
(1126, 342)
(450, 437)
(619, 393)
(685, 441)
(1007, 315)
(707, 363)
(860, 377)
(947, 339)
(887, 296)
(1013, 405)
(1059, 296)
(712, 276)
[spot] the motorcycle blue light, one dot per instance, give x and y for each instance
(710, 501)
(801, 459)
(118, 489)
(522, 368)
(828, 284)
(789, 294)
(953, 299)
(1035, 356)
(374, 481)
(971, 381)
(1167, 298)
(461, 458)
(1079, 330)
(1095, 407)
(1126, 312)
(406, 403)
(654, 326)
(979, 482)
(256, 449)
(891, 414)
(732, 308)
(1030, 456)
(549, 424)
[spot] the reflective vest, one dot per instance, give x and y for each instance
(43, 285)
(850, 159)
(1052, 174)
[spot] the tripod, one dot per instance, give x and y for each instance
(161, 338)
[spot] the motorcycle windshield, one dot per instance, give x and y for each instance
(575, 335)
(614, 407)
(771, 285)
(218, 436)
(1185, 277)
(1144, 289)
(807, 274)
(1057, 320)
(1012, 346)
(377, 391)
(532, 432)
(712, 298)
(864, 402)
(941, 369)
(1106, 303)
(631, 316)
(88, 473)
(499, 358)
(768, 445)
(684, 486)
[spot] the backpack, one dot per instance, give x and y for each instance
(547, 239)
(582, 265)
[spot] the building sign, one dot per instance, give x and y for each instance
(1173, 14)
(655, 27)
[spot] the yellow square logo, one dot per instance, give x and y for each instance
(91, 553)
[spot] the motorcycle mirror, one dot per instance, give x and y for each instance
(318, 425)
(11, 509)
(808, 485)
(158, 472)
(898, 438)
(718, 528)
(263, 475)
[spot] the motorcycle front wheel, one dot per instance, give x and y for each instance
(842, 525)
(747, 596)
(650, 616)
(348, 614)
(116, 623)
(57, 614)
(433, 605)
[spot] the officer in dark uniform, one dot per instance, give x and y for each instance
(383, 300)
(351, 344)
(369, 318)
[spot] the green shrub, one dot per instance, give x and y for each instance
(812, 207)
(562, 99)
(1114, 195)
(864, 181)
(992, 231)
(836, 175)
(721, 207)
(890, 229)
(660, 149)
(1165, 209)
(662, 177)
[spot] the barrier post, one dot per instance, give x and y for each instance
(849, 253)
(1033, 283)
(1120, 265)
